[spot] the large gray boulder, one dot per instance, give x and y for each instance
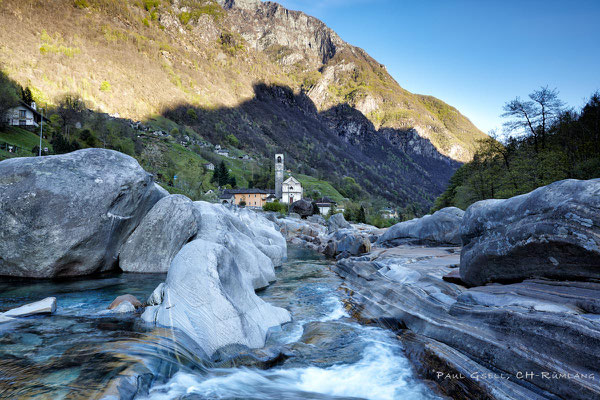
(347, 242)
(208, 297)
(302, 207)
(160, 235)
(337, 221)
(552, 232)
(68, 215)
(440, 228)
(252, 239)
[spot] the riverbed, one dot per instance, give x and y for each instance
(81, 350)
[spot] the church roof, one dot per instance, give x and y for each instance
(291, 179)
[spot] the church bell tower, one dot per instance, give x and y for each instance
(278, 175)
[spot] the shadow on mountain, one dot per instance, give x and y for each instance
(397, 165)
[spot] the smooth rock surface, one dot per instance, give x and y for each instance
(252, 239)
(123, 308)
(160, 235)
(440, 228)
(539, 326)
(45, 306)
(208, 298)
(552, 232)
(126, 298)
(157, 295)
(337, 221)
(346, 243)
(68, 215)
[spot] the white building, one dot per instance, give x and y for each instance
(24, 115)
(291, 190)
(209, 166)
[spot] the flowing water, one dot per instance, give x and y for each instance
(80, 350)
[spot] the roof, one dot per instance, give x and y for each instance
(325, 200)
(248, 191)
(33, 110)
(291, 179)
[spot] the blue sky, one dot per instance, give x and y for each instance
(474, 54)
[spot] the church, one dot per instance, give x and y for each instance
(287, 191)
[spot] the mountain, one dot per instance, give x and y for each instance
(241, 73)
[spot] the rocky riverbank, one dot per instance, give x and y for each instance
(532, 332)
(97, 210)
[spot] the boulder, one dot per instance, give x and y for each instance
(160, 235)
(346, 243)
(68, 215)
(207, 297)
(317, 219)
(124, 308)
(126, 298)
(552, 232)
(337, 221)
(157, 295)
(303, 208)
(253, 240)
(45, 306)
(440, 228)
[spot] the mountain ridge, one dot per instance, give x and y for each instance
(152, 58)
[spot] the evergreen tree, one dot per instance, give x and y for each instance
(26, 96)
(361, 217)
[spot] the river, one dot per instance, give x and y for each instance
(80, 350)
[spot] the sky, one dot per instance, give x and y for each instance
(474, 54)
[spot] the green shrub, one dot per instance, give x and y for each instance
(105, 86)
(81, 4)
(145, 22)
(275, 206)
(232, 140)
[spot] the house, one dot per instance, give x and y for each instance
(389, 213)
(222, 152)
(24, 116)
(291, 190)
(252, 197)
(227, 198)
(325, 204)
(209, 166)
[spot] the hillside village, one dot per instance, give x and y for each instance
(276, 191)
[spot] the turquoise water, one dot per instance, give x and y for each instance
(80, 351)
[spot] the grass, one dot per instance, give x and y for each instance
(310, 183)
(21, 138)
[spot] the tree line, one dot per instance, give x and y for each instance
(545, 142)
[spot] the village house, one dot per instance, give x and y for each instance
(24, 116)
(325, 204)
(389, 213)
(209, 166)
(254, 198)
(222, 152)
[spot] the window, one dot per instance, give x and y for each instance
(22, 113)
(279, 159)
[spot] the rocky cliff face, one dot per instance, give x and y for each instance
(348, 74)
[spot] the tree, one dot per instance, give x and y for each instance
(69, 108)
(8, 96)
(315, 208)
(221, 175)
(361, 216)
(533, 117)
(26, 95)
